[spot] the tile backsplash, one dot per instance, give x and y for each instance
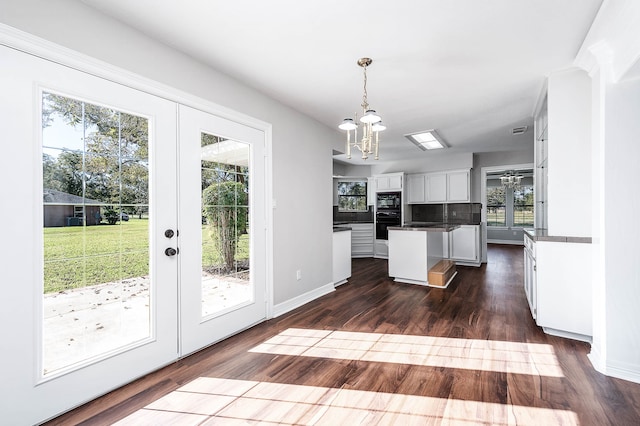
(352, 217)
(461, 213)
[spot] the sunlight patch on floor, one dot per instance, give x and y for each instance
(486, 355)
(209, 401)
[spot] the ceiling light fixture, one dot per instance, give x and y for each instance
(371, 123)
(427, 139)
(511, 179)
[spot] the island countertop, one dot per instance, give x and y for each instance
(441, 227)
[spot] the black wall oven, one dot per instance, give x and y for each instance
(388, 201)
(388, 205)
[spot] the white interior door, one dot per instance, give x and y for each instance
(89, 298)
(222, 228)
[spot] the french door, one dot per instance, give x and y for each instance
(126, 251)
(223, 236)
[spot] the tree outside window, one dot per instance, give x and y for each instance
(523, 206)
(352, 196)
(496, 206)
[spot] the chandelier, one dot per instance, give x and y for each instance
(370, 121)
(511, 179)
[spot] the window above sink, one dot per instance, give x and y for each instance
(352, 196)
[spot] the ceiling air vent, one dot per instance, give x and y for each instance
(518, 130)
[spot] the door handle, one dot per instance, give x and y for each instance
(169, 233)
(170, 251)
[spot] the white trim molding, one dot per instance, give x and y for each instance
(296, 302)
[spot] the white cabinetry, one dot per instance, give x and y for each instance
(371, 191)
(540, 158)
(458, 186)
(530, 273)
(389, 182)
(341, 257)
(562, 153)
(416, 189)
(381, 249)
(452, 186)
(436, 188)
(563, 289)
(464, 244)
(361, 239)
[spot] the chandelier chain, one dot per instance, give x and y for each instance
(365, 104)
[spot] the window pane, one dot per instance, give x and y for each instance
(226, 281)
(352, 196)
(496, 206)
(96, 252)
(523, 206)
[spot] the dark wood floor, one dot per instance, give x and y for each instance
(482, 304)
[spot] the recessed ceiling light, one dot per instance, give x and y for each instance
(427, 139)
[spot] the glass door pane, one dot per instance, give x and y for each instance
(225, 225)
(96, 232)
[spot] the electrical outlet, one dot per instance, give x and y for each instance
(298, 275)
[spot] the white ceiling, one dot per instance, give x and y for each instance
(471, 69)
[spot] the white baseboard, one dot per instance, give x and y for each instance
(625, 372)
(296, 302)
(629, 372)
(512, 242)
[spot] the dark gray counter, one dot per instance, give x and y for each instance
(341, 228)
(441, 227)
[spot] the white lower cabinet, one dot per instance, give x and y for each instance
(361, 239)
(381, 249)
(464, 244)
(530, 274)
(563, 289)
(341, 257)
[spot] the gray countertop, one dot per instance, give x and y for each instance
(341, 228)
(539, 234)
(440, 227)
(353, 221)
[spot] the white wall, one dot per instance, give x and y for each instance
(622, 207)
(569, 153)
(296, 245)
(611, 55)
(429, 162)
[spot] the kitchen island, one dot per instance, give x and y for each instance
(414, 250)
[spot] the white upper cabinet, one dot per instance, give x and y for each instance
(442, 187)
(371, 191)
(416, 189)
(389, 182)
(458, 186)
(436, 188)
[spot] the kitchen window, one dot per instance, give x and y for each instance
(352, 196)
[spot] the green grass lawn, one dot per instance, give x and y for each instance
(77, 256)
